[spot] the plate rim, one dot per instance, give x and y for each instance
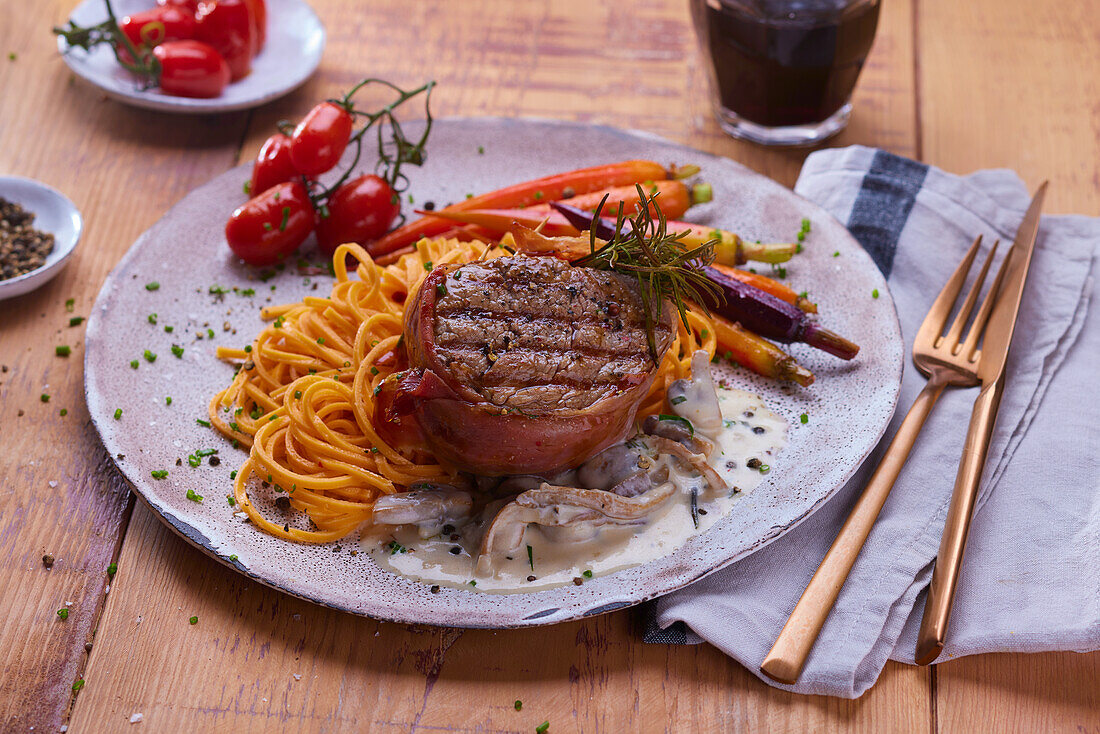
(195, 536)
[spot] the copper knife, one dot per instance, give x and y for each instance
(991, 372)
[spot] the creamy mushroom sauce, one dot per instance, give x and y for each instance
(451, 559)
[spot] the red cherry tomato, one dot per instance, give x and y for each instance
(272, 165)
(259, 16)
(192, 5)
(191, 69)
(320, 139)
(153, 27)
(271, 226)
(229, 27)
(360, 210)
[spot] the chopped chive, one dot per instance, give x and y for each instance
(805, 418)
(149, 356)
(538, 196)
(78, 684)
(836, 254)
(63, 613)
(134, 363)
(233, 557)
(542, 728)
(874, 293)
(518, 705)
(531, 557)
(231, 500)
(118, 414)
(286, 219)
(178, 351)
(193, 496)
(168, 400)
(63, 412)
(678, 399)
(63, 350)
(321, 340)
(201, 422)
(152, 318)
(44, 398)
(481, 151)
(112, 569)
(233, 474)
(152, 286)
(268, 227)
(76, 321)
(168, 329)
(159, 473)
(210, 333)
(194, 620)
(70, 304)
(587, 573)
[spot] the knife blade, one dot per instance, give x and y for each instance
(1002, 322)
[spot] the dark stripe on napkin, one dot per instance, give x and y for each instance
(883, 204)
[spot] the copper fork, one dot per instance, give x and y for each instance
(948, 361)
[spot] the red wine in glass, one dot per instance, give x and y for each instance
(783, 70)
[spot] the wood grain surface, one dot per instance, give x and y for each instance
(965, 86)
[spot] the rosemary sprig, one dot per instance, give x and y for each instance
(641, 246)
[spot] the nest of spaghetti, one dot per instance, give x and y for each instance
(308, 396)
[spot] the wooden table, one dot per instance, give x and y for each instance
(960, 85)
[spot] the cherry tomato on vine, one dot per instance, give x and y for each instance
(271, 226)
(360, 210)
(191, 69)
(320, 139)
(229, 26)
(150, 28)
(259, 16)
(272, 165)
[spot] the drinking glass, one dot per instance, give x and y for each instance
(782, 71)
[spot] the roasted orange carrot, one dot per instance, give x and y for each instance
(757, 354)
(550, 188)
(781, 291)
(674, 198)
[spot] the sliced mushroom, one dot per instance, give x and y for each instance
(613, 465)
(678, 430)
(641, 482)
(559, 507)
(428, 509)
(696, 399)
(698, 462)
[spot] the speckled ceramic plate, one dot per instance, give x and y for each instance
(291, 53)
(185, 252)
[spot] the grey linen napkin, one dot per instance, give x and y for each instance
(1031, 578)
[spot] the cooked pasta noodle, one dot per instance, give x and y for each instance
(302, 400)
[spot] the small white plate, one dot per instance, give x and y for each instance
(292, 52)
(53, 213)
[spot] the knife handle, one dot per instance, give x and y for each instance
(945, 576)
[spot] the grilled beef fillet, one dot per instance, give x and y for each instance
(521, 365)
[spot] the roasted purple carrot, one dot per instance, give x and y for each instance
(782, 291)
(772, 318)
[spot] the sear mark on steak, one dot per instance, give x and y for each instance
(536, 334)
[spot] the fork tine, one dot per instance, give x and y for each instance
(970, 346)
(932, 326)
(951, 341)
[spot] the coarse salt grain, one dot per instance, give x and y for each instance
(297, 676)
(135, 718)
(53, 485)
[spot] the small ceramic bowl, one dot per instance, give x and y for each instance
(53, 213)
(292, 52)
